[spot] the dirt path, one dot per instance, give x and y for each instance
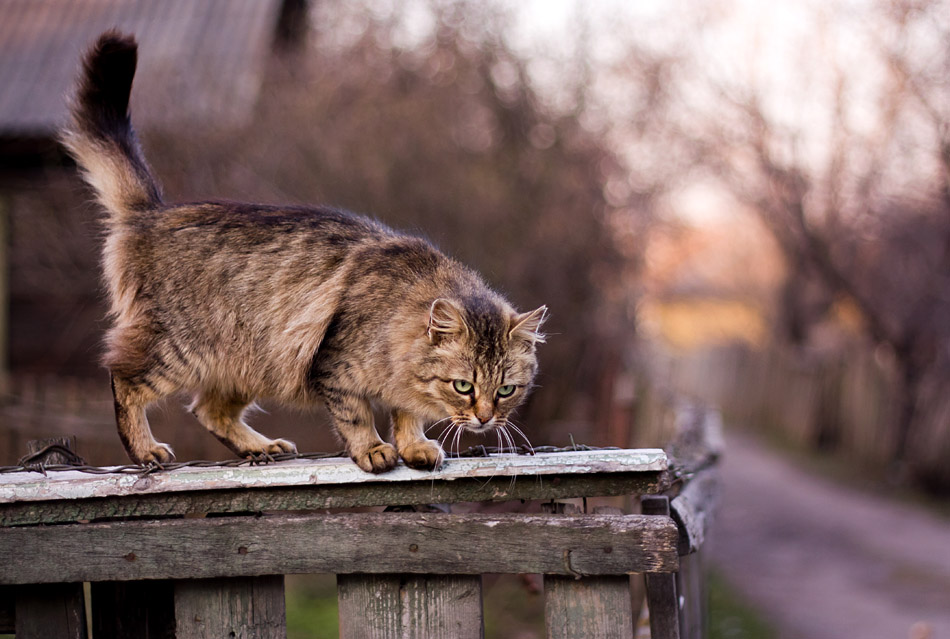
(827, 562)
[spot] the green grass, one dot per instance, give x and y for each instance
(311, 607)
(730, 617)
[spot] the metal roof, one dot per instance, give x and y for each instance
(199, 60)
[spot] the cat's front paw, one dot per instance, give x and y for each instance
(155, 453)
(423, 455)
(378, 459)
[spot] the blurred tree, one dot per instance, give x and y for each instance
(849, 167)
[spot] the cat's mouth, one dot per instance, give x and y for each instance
(477, 427)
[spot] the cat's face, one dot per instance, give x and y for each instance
(481, 362)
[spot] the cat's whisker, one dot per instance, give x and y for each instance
(447, 432)
(511, 424)
(434, 424)
(504, 432)
(457, 441)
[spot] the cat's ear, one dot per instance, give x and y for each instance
(445, 319)
(527, 326)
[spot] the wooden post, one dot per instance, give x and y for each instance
(689, 584)
(133, 609)
(662, 599)
(241, 608)
(588, 607)
(410, 606)
(50, 610)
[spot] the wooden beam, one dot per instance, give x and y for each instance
(346, 543)
(693, 509)
(22, 487)
(410, 606)
(229, 499)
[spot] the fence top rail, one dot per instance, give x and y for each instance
(25, 487)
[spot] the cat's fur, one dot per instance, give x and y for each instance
(234, 302)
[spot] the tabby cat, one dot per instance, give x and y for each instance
(233, 302)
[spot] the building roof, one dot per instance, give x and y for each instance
(199, 60)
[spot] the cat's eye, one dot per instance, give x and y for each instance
(463, 387)
(506, 391)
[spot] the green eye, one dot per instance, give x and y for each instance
(463, 387)
(506, 390)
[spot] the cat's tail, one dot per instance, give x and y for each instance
(99, 134)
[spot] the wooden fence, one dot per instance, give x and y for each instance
(201, 551)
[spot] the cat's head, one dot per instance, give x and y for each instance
(480, 360)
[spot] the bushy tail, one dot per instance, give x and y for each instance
(100, 135)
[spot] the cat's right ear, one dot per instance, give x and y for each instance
(445, 320)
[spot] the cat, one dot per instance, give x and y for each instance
(234, 302)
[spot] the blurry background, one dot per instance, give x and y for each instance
(722, 201)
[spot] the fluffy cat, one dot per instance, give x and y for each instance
(234, 302)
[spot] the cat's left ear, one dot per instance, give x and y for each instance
(445, 320)
(527, 326)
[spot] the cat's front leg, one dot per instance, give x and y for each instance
(353, 418)
(417, 451)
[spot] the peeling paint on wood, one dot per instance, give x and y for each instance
(20, 487)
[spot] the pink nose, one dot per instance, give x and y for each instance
(484, 418)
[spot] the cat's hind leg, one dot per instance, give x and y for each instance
(353, 419)
(417, 451)
(223, 415)
(131, 398)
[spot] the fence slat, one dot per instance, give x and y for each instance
(242, 608)
(689, 585)
(410, 606)
(418, 543)
(133, 609)
(662, 599)
(52, 610)
(588, 608)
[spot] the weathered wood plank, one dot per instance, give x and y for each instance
(322, 496)
(133, 609)
(51, 610)
(694, 507)
(588, 608)
(689, 585)
(410, 606)
(242, 608)
(20, 487)
(344, 543)
(662, 598)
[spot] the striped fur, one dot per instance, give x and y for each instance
(233, 302)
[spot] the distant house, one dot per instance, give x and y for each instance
(200, 62)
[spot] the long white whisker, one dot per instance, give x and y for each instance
(511, 424)
(434, 424)
(457, 440)
(507, 436)
(446, 433)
